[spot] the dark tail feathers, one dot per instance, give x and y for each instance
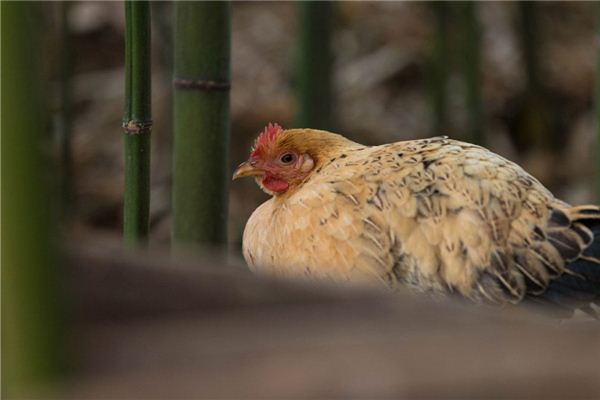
(579, 286)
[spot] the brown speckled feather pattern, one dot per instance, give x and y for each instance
(437, 215)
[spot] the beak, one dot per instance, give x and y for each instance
(246, 168)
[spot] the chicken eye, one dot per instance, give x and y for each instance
(286, 158)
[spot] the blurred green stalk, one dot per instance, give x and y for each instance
(438, 77)
(534, 126)
(64, 131)
(314, 64)
(529, 43)
(472, 69)
(201, 114)
(33, 348)
(137, 122)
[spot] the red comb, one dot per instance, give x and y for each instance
(268, 135)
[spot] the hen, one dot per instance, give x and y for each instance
(437, 215)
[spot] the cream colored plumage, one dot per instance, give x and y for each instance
(437, 215)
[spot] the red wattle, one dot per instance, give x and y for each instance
(274, 184)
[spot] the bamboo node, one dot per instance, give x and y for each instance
(200, 84)
(132, 127)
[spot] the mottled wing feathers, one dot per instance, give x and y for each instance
(517, 239)
(464, 209)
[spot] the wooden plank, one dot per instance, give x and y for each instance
(239, 336)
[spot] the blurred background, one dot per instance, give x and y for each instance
(399, 70)
(516, 77)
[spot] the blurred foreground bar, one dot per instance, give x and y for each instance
(32, 310)
(150, 327)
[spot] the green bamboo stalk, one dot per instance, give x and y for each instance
(314, 64)
(597, 98)
(64, 131)
(534, 124)
(472, 69)
(137, 122)
(438, 76)
(201, 114)
(33, 348)
(530, 43)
